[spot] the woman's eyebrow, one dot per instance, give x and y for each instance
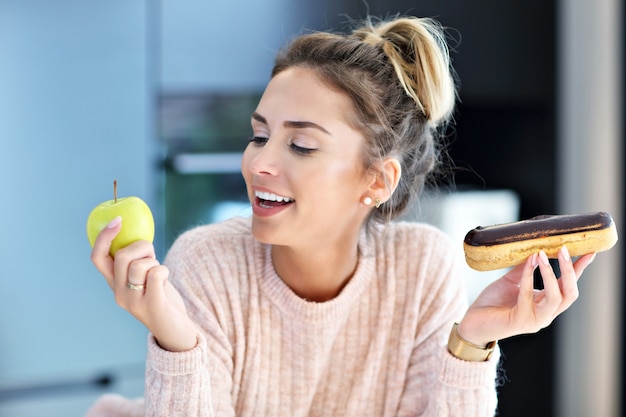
(256, 116)
(292, 124)
(305, 125)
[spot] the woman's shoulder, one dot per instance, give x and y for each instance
(415, 245)
(213, 238)
(234, 227)
(425, 262)
(417, 233)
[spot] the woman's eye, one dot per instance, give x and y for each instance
(301, 150)
(258, 140)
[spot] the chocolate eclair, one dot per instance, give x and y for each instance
(504, 245)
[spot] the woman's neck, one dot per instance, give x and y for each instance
(316, 275)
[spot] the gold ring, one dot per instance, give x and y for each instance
(135, 287)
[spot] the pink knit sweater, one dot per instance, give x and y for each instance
(377, 349)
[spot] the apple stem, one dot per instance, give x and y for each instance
(115, 190)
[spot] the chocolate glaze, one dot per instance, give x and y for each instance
(535, 227)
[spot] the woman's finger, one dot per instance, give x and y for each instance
(552, 297)
(100, 254)
(151, 306)
(155, 285)
(123, 258)
(582, 263)
(568, 280)
(136, 281)
(525, 296)
(570, 273)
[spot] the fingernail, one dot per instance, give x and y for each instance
(593, 258)
(565, 253)
(113, 223)
(544, 258)
(534, 260)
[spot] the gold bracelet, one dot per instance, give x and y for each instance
(468, 351)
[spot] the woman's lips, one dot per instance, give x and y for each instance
(266, 208)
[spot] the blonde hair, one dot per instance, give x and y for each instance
(398, 76)
(419, 54)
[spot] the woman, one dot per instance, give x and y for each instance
(318, 304)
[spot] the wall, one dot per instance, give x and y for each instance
(224, 46)
(75, 113)
(591, 171)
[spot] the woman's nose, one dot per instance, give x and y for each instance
(264, 160)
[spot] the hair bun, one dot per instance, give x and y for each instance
(418, 51)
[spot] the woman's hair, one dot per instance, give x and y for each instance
(399, 78)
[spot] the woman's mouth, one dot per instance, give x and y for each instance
(270, 200)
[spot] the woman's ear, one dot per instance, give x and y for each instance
(386, 180)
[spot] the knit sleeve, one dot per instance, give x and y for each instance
(438, 384)
(197, 382)
(182, 383)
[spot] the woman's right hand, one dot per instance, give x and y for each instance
(157, 305)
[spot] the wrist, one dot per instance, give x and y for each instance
(468, 351)
(177, 345)
(470, 335)
(179, 339)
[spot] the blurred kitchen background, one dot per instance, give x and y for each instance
(158, 94)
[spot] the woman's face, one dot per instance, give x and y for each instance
(304, 167)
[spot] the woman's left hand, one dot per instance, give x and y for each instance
(511, 306)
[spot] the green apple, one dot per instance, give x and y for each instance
(137, 220)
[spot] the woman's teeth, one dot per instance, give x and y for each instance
(272, 197)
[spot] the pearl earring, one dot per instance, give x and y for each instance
(367, 201)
